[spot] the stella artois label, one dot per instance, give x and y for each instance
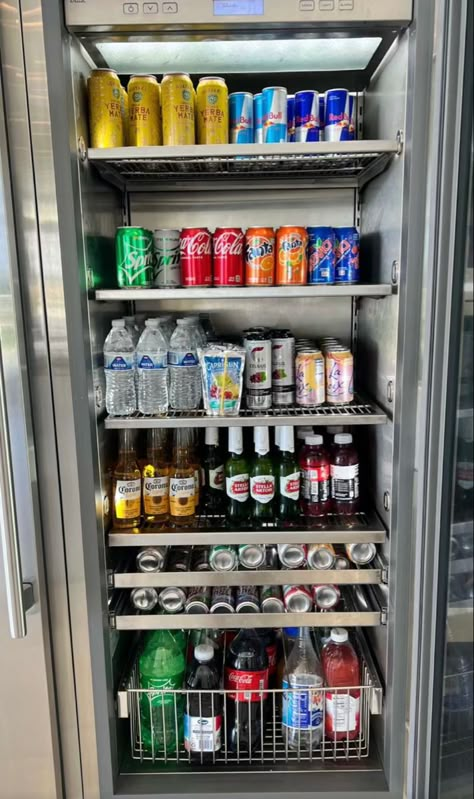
(262, 488)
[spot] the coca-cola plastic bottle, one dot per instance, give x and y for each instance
(246, 679)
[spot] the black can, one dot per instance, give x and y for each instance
(248, 599)
(179, 559)
(200, 560)
(222, 599)
(198, 599)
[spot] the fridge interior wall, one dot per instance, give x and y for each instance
(370, 324)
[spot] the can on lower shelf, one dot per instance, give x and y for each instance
(252, 556)
(223, 558)
(271, 599)
(144, 599)
(297, 598)
(179, 559)
(222, 599)
(172, 599)
(326, 597)
(292, 556)
(248, 600)
(198, 600)
(200, 559)
(361, 554)
(341, 563)
(321, 556)
(151, 559)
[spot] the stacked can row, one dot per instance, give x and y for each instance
(148, 113)
(193, 257)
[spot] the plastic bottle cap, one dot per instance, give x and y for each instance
(292, 631)
(343, 438)
(211, 436)
(153, 323)
(261, 440)
(333, 431)
(235, 440)
(203, 652)
(287, 439)
(187, 322)
(302, 432)
(129, 320)
(339, 635)
(118, 322)
(313, 441)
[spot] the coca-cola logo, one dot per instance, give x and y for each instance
(198, 244)
(229, 242)
(240, 679)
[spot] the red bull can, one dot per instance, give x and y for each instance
(336, 123)
(241, 117)
(290, 117)
(347, 246)
(352, 117)
(322, 115)
(274, 114)
(321, 255)
(258, 118)
(307, 116)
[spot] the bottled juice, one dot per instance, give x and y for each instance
(315, 478)
(155, 474)
(182, 480)
(126, 484)
(344, 475)
(341, 669)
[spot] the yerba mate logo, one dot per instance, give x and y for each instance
(116, 93)
(136, 97)
(212, 99)
(186, 95)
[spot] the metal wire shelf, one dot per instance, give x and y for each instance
(358, 412)
(331, 529)
(349, 164)
(156, 719)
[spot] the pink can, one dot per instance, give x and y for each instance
(339, 376)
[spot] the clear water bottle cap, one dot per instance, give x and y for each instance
(313, 441)
(118, 322)
(129, 320)
(339, 635)
(343, 438)
(204, 652)
(153, 323)
(188, 321)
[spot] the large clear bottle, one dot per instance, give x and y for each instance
(119, 366)
(185, 372)
(302, 719)
(152, 365)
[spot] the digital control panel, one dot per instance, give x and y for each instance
(91, 14)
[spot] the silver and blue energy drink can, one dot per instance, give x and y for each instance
(321, 255)
(274, 114)
(258, 118)
(336, 127)
(290, 117)
(322, 115)
(352, 117)
(347, 245)
(307, 116)
(241, 117)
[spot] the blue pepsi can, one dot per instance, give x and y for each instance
(258, 118)
(274, 114)
(321, 255)
(290, 114)
(347, 254)
(307, 116)
(336, 123)
(241, 117)
(322, 115)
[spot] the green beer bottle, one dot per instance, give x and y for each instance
(262, 478)
(236, 479)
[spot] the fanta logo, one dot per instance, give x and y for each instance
(253, 252)
(293, 243)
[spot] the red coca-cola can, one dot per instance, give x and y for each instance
(228, 250)
(196, 256)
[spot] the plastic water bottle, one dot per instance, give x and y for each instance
(152, 365)
(169, 326)
(185, 372)
(119, 366)
(302, 718)
(199, 331)
(132, 329)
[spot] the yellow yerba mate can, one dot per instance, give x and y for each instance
(212, 111)
(124, 109)
(105, 109)
(144, 111)
(178, 109)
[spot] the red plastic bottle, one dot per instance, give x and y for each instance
(344, 475)
(341, 669)
(315, 499)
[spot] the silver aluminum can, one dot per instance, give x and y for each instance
(198, 600)
(145, 599)
(271, 558)
(151, 559)
(361, 554)
(222, 599)
(271, 599)
(341, 563)
(297, 598)
(172, 599)
(167, 258)
(292, 556)
(252, 555)
(326, 597)
(223, 558)
(248, 600)
(321, 556)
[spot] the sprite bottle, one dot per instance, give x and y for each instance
(134, 257)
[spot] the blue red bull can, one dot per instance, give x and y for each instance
(241, 117)
(274, 114)
(322, 115)
(290, 114)
(336, 123)
(258, 118)
(321, 255)
(307, 116)
(347, 254)
(352, 117)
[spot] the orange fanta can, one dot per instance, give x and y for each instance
(292, 259)
(260, 256)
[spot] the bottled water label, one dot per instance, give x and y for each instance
(202, 734)
(146, 361)
(119, 363)
(183, 358)
(302, 709)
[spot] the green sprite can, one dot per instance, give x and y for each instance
(134, 257)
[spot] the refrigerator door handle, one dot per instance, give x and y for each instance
(19, 595)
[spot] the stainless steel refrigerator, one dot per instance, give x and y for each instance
(69, 634)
